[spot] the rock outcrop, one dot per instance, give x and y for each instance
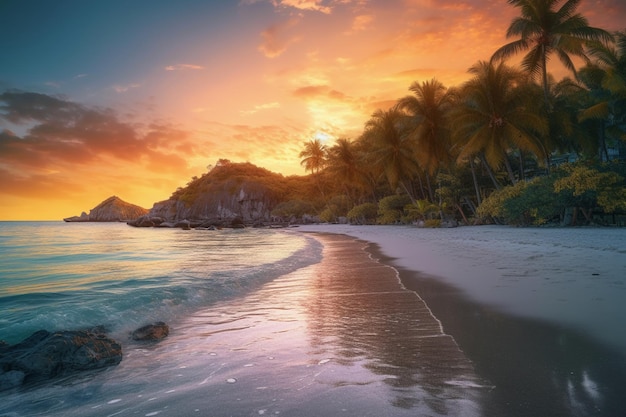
(46, 355)
(151, 332)
(229, 195)
(113, 209)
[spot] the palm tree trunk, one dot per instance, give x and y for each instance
(422, 191)
(509, 169)
(408, 192)
(490, 172)
(430, 189)
(476, 187)
(604, 153)
(544, 73)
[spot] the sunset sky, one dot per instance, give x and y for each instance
(133, 98)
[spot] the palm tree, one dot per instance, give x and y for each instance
(544, 30)
(343, 164)
(606, 78)
(390, 151)
(495, 114)
(428, 109)
(314, 156)
(566, 133)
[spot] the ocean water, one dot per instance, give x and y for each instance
(59, 276)
(263, 322)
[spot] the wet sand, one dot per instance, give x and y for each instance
(538, 312)
(537, 368)
(341, 337)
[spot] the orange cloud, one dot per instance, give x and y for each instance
(276, 40)
(361, 22)
(183, 67)
(314, 5)
(316, 91)
(66, 143)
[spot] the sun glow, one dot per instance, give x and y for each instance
(323, 137)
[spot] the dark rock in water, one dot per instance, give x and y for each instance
(11, 379)
(151, 332)
(183, 224)
(45, 355)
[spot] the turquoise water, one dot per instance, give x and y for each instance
(262, 322)
(57, 275)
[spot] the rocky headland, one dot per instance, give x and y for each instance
(113, 209)
(228, 195)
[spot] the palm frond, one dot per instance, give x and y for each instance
(598, 112)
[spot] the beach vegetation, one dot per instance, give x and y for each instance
(391, 209)
(391, 152)
(432, 223)
(365, 213)
(293, 209)
(421, 210)
(338, 206)
(497, 116)
(570, 196)
(511, 145)
(544, 29)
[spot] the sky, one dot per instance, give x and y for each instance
(134, 98)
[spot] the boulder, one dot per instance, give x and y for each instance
(151, 332)
(46, 355)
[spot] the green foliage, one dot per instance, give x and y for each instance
(525, 203)
(336, 207)
(432, 223)
(544, 199)
(363, 214)
(328, 216)
(589, 187)
(421, 210)
(293, 208)
(391, 208)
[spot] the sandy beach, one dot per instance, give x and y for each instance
(387, 323)
(538, 312)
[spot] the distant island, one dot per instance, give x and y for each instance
(113, 209)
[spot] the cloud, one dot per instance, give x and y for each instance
(319, 91)
(313, 5)
(274, 147)
(275, 40)
(360, 23)
(63, 139)
(259, 107)
(124, 88)
(183, 67)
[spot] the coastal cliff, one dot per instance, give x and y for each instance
(228, 194)
(113, 209)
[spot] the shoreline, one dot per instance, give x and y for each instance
(537, 367)
(337, 337)
(528, 361)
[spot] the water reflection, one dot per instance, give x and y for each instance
(359, 315)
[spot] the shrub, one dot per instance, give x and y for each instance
(292, 208)
(391, 208)
(432, 223)
(363, 214)
(525, 203)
